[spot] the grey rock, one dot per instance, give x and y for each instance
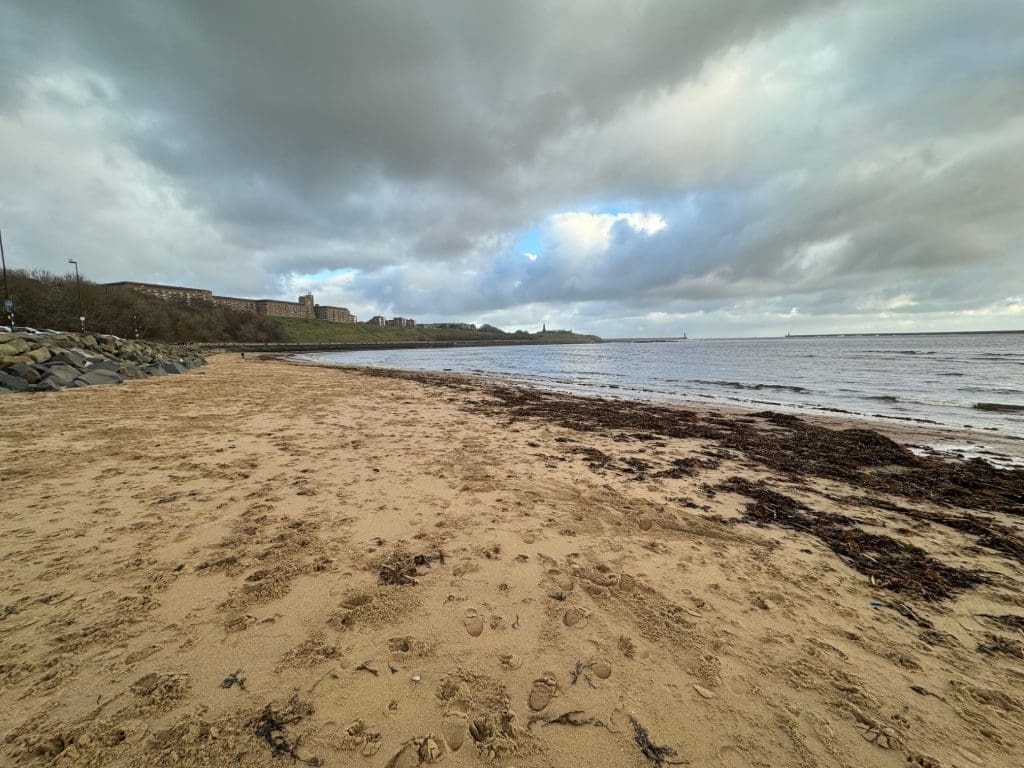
(49, 385)
(154, 370)
(40, 354)
(70, 357)
(64, 374)
(16, 346)
(131, 372)
(174, 368)
(12, 383)
(104, 365)
(29, 373)
(99, 377)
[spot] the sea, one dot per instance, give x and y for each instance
(952, 380)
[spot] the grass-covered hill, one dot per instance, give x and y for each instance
(45, 300)
(317, 332)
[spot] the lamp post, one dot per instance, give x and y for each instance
(8, 302)
(78, 282)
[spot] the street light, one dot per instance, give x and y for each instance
(81, 309)
(8, 302)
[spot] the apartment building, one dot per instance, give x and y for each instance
(305, 307)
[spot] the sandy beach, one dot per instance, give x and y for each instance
(262, 562)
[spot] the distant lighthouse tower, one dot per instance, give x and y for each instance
(543, 327)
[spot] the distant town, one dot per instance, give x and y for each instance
(306, 307)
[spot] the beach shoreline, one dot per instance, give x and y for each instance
(344, 566)
(924, 436)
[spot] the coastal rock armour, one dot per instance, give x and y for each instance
(52, 362)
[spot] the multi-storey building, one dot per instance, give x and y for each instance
(167, 292)
(376, 320)
(334, 315)
(305, 307)
(239, 305)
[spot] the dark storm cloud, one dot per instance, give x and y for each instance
(851, 159)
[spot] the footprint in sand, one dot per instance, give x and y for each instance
(574, 617)
(562, 579)
(542, 692)
(473, 622)
(454, 731)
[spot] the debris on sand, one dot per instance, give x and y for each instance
(890, 563)
(998, 644)
(234, 679)
(582, 670)
(415, 752)
(270, 726)
(401, 568)
(397, 574)
(658, 755)
(1008, 620)
(573, 717)
(783, 443)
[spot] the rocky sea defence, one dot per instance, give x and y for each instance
(55, 361)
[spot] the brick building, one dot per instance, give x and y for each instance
(167, 292)
(305, 307)
(334, 315)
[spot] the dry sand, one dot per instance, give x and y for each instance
(159, 536)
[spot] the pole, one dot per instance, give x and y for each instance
(81, 308)
(8, 304)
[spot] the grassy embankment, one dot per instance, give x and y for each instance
(319, 332)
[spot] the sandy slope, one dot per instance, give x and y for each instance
(160, 535)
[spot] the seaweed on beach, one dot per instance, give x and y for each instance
(890, 563)
(270, 724)
(786, 444)
(988, 532)
(659, 755)
(997, 644)
(1008, 620)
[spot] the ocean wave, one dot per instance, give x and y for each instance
(999, 407)
(758, 387)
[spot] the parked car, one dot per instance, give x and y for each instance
(48, 331)
(5, 329)
(24, 329)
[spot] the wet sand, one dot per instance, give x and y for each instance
(264, 562)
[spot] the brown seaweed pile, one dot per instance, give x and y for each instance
(890, 563)
(990, 533)
(785, 444)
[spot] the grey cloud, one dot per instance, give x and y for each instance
(242, 145)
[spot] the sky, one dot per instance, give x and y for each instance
(638, 168)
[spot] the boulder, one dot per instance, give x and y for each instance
(98, 377)
(29, 373)
(6, 360)
(70, 357)
(16, 346)
(9, 383)
(49, 385)
(174, 368)
(154, 370)
(64, 374)
(129, 371)
(104, 365)
(39, 354)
